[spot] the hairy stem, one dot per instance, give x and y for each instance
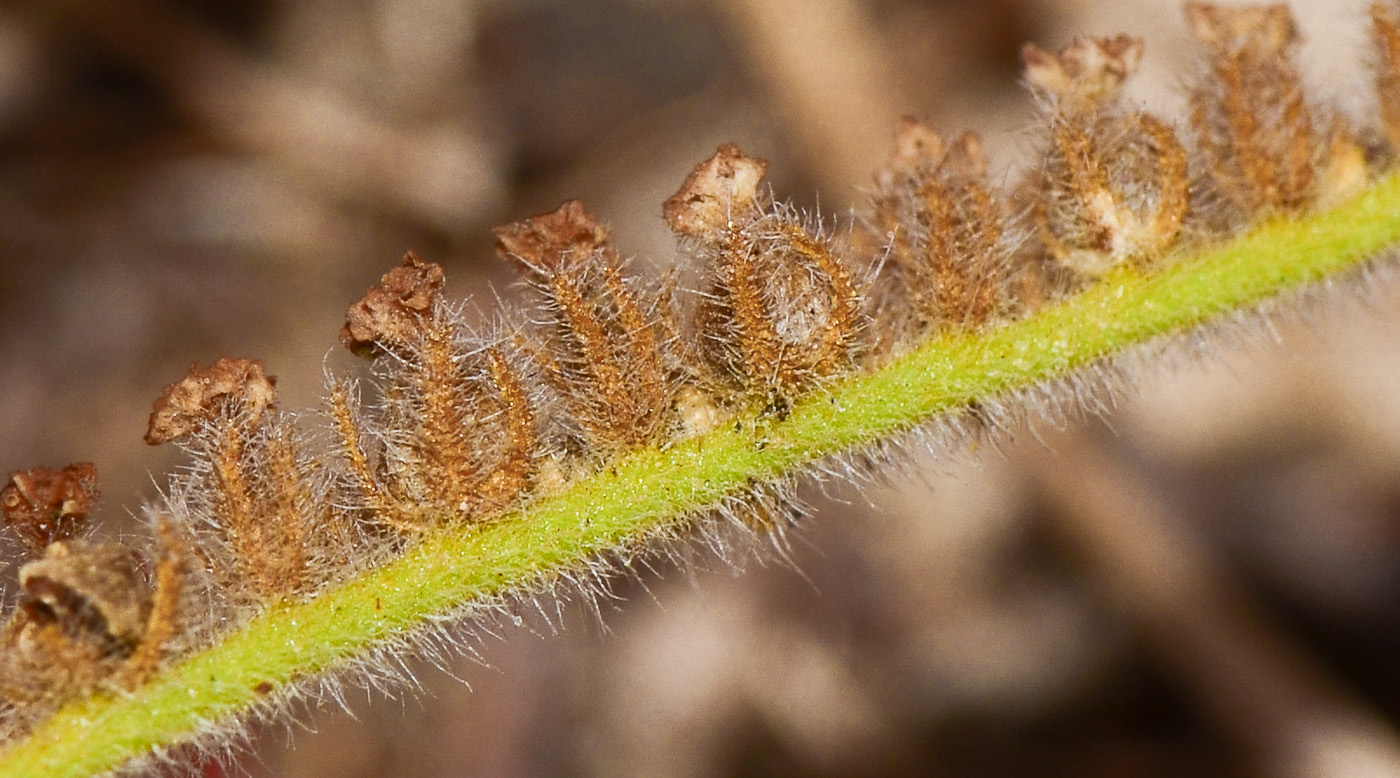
(655, 491)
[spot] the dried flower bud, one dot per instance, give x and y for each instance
(1090, 207)
(206, 392)
(1267, 28)
(543, 241)
(718, 191)
(1084, 74)
(783, 312)
(93, 591)
(390, 314)
(945, 258)
(916, 146)
(45, 505)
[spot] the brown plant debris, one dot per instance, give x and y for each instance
(43, 505)
(1085, 74)
(390, 313)
(227, 385)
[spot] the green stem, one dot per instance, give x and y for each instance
(655, 491)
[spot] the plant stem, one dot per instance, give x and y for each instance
(654, 492)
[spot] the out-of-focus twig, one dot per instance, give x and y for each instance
(441, 174)
(1247, 675)
(822, 63)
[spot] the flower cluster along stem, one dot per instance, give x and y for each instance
(655, 491)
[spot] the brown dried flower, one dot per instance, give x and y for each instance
(783, 312)
(943, 227)
(390, 313)
(719, 190)
(1091, 208)
(205, 392)
(1084, 74)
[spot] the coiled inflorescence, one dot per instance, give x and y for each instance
(462, 428)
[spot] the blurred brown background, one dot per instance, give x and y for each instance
(1210, 589)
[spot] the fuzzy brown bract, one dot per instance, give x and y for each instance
(466, 434)
(1385, 21)
(947, 263)
(1252, 121)
(610, 351)
(253, 482)
(783, 312)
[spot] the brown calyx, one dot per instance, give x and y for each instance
(540, 242)
(204, 392)
(1085, 73)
